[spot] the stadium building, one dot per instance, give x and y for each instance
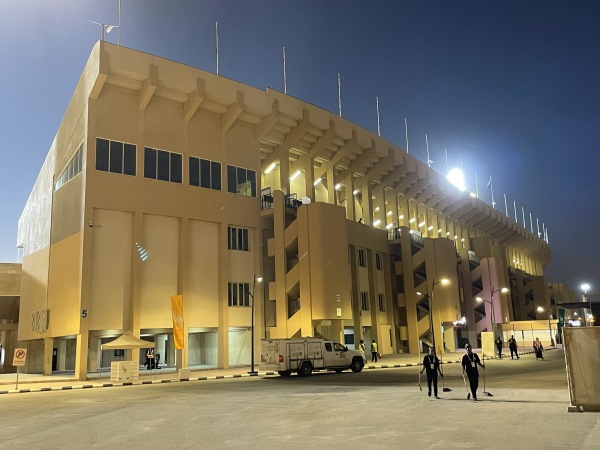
(165, 179)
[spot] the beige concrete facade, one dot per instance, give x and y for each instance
(344, 227)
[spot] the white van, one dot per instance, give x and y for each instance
(303, 355)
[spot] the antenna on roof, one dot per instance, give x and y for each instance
(104, 26)
(284, 74)
(406, 133)
(340, 94)
(217, 38)
(378, 127)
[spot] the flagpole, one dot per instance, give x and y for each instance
(523, 211)
(406, 133)
(537, 223)
(446, 153)
(429, 161)
(476, 186)
(217, 44)
(531, 222)
(505, 206)
(284, 74)
(340, 94)
(378, 127)
(119, 30)
(491, 186)
(515, 206)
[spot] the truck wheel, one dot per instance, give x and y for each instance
(285, 373)
(357, 365)
(305, 369)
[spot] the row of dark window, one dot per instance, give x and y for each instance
(364, 301)
(237, 238)
(118, 157)
(362, 259)
(238, 294)
(73, 168)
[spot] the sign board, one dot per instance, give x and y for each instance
(19, 357)
(487, 343)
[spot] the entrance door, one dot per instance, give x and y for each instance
(54, 359)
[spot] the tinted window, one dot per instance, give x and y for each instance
(116, 157)
(149, 163)
(176, 168)
(231, 181)
(194, 171)
(241, 180)
(129, 160)
(102, 154)
(163, 165)
(205, 173)
(252, 182)
(215, 172)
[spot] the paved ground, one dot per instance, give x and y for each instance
(374, 409)
(56, 382)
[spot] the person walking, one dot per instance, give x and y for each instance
(431, 364)
(374, 351)
(512, 345)
(538, 348)
(362, 347)
(499, 346)
(470, 361)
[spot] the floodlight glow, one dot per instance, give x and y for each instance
(472, 194)
(504, 290)
(412, 220)
(259, 279)
(296, 173)
(430, 227)
(269, 169)
(457, 178)
(356, 191)
(318, 180)
(439, 230)
(585, 287)
(401, 216)
(479, 299)
(447, 233)
(540, 309)
(421, 224)
(338, 187)
(389, 225)
(377, 209)
(445, 281)
(376, 223)
(389, 213)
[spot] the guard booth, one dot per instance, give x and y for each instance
(125, 370)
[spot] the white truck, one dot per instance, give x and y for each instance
(303, 355)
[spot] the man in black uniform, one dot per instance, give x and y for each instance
(499, 347)
(469, 365)
(431, 364)
(512, 345)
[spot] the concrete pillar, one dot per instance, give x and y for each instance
(367, 204)
(62, 354)
(81, 354)
(95, 352)
(223, 339)
(350, 200)
(337, 330)
(331, 192)
(48, 347)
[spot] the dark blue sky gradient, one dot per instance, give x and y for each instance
(510, 88)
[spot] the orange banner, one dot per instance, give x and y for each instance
(177, 313)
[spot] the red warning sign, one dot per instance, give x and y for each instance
(19, 357)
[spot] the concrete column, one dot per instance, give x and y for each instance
(94, 354)
(337, 330)
(62, 354)
(284, 171)
(48, 347)
(350, 200)
(331, 192)
(367, 204)
(393, 207)
(223, 337)
(309, 178)
(403, 210)
(81, 356)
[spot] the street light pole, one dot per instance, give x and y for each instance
(491, 303)
(443, 281)
(252, 371)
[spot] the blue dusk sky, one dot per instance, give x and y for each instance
(510, 88)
